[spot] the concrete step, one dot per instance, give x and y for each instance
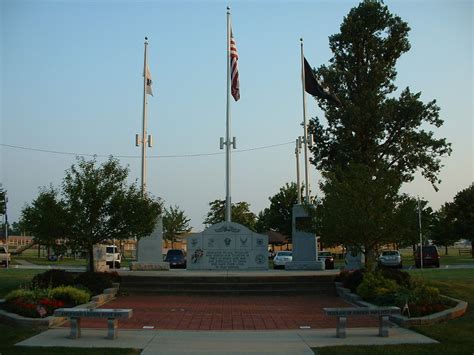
(322, 285)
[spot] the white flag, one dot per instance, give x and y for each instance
(149, 82)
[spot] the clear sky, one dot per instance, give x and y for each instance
(71, 82)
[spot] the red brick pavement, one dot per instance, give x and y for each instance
(199, 312)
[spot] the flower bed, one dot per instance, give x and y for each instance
(388, 287)
(425, 304)
(55, 289)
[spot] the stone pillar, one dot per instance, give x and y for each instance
(150, 251)
(304, 242)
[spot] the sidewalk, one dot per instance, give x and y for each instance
(228, 342)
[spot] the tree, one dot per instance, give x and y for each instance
(374, 128)
(442, 229)
(278, 216)
(462, 213)
(96, 206)
(407, 222)
(46, 218)
(355, 216)
(240, 213)
(3, 196)
(382, 138)
(175, 223)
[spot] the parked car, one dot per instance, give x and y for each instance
(430, 256)
(4, 256)
(112, 254)
(390, 258)
(176, 258)
(328, 259)
(281, 259)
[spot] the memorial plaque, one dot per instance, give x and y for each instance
(227, 246)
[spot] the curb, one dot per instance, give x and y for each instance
(450, 313)
(52, 321)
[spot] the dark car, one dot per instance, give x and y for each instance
(176, 258)
(430, 256)
(328, 259)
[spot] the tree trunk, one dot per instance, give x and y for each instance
(39, 250)
(446, 250)
(91, 258)
(472, 248)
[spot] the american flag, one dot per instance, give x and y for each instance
(234, 70)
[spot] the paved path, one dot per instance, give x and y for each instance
(224, 342)
(217, 312)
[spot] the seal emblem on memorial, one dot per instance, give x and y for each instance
(260, 259)
(227, 241)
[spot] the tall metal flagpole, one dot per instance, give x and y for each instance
(298, 181)
(421, 235)
(145, 103)
(305, 136)
(228, 200)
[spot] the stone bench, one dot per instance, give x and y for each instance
(343, 313)
(75, 315)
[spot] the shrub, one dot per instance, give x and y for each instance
(20, 294)
(113, 276)
(69, 295)
(52, 278)
(374, 287)
(402, 278)
(353, 279)
(95, 282)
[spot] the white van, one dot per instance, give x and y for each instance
(112, 254)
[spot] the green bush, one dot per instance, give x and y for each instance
(71, 296)
(52, 278)
(374, 287)
(22, 294)
(95, 282)
(402, 278)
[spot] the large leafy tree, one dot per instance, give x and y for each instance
(46, 218)
(175, 223)
(408, 222)
(462, 213)
(277, 217)
(375, 128)
(96, 205)
(442, 228)
(351, 216)
(382, 138)
(240, 213)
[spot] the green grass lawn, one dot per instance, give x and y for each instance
(455, 336)
(14, 278)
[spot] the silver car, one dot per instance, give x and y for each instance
(390, 258)
(281, 258)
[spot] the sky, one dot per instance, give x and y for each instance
(71, 84)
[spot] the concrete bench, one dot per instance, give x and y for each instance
(343, 313)
(75, 315)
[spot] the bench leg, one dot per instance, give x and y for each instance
(112, 328)
(341, 327)
(383, 326)
(75, 328)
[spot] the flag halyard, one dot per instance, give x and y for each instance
(234, 70)
(314, 87)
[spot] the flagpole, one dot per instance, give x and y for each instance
(145, 103)
(305, 137)
(228, 202)
(298, 181)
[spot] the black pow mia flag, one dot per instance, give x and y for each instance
(314, 87)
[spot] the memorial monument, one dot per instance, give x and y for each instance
(150, 251)
(304, 242)
(227, 246)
